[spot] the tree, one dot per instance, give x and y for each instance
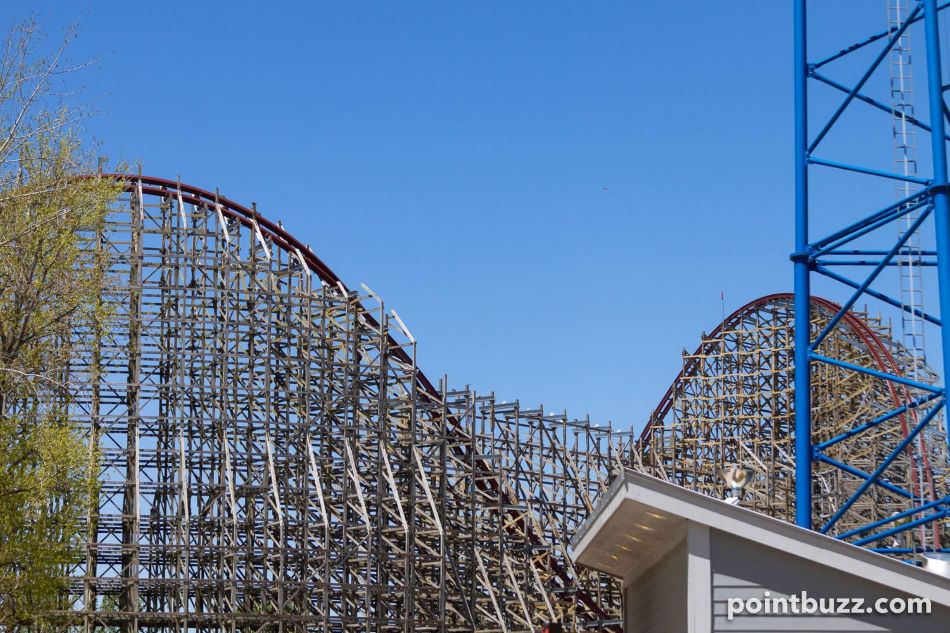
(52, 279)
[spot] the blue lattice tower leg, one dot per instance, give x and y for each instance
(922, 401)
(803, 448)
(941, 198)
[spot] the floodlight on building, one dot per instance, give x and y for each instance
(736, 477)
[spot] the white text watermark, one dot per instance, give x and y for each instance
(803, 604)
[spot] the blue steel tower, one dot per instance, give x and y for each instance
(871, 247)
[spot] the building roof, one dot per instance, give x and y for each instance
(642, 518)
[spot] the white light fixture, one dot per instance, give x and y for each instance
(736, 477)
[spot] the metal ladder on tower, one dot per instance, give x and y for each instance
(905, 157)
(911, 287)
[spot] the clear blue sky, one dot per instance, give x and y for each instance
(552, 194)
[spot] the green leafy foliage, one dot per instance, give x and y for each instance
(52, 280)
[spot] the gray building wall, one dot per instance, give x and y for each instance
(656, 601)
(743, 569)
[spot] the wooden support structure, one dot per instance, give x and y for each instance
(270, 461)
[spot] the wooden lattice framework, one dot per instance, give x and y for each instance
(271, 458)
(732, 404)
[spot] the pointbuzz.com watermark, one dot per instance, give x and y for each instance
(803, 604)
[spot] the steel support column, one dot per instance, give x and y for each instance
(803, 449)
(941, 199)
